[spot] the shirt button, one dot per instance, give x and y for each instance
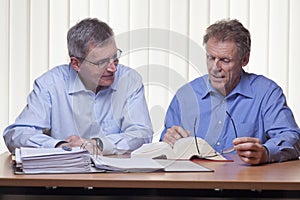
(218, 143)
(220, 122)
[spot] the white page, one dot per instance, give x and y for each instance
(35, 152)
(148, 165)
(126, 164)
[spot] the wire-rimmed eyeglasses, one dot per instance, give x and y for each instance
(92, 147)
(225, 151)
(106, 61)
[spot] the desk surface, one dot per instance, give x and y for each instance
(226, 175)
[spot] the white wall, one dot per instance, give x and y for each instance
(160, 38)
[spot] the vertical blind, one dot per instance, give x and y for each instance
(162, 40)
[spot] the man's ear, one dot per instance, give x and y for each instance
(246, 60)
(75, 63)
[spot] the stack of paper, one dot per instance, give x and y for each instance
(52, 160)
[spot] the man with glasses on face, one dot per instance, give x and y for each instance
(233, 109)
(93, 100)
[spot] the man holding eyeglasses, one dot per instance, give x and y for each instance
(93, 101)
(233, 109)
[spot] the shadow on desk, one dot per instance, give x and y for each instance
(38, 193)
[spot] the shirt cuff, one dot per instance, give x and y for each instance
(108, 147)
(59, 143)
(52, 143)
(272, 149)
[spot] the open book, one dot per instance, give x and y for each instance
(184, 148)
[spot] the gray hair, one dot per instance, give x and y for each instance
(230, 30)
(85, 34)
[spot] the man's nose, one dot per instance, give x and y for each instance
(112, 66)
(217, 64)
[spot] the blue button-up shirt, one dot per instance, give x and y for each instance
(59, 106)
(257, 107)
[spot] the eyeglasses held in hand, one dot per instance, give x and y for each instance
(225, 151)
(92, 147)
(106, 61)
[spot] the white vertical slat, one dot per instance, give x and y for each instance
(19, 57)
(100, 9)
(4, 75)
(179, 42)
(219, 10)
(139, 40)
(139, 37)
(139, 49)
(79, 9)
(159, 57)
(240, 10)
(198, 22)
(178, 47)
(58, 28)
(119, 15)
(119, 22)
(294, 70)
(39, 37)
(259, 29)
(278, 42)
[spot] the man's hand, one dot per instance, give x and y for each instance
(175, 133)
(72, 141)
(76, 141)
(250, 150)
(88, 144)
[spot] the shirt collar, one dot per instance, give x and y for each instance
(76, 85)
(243, 87)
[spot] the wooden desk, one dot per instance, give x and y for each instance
(226, 176)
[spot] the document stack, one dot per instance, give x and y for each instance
(52, 160)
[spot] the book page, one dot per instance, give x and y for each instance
(154, 150)
(185, 148)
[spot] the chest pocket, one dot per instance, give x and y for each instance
(111, 126)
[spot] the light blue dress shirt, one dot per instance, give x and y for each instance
(256, 105)
(59, 106)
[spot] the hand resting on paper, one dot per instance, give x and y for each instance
(76, 141)
(175, 133)
(72, 141)
(250, 150)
